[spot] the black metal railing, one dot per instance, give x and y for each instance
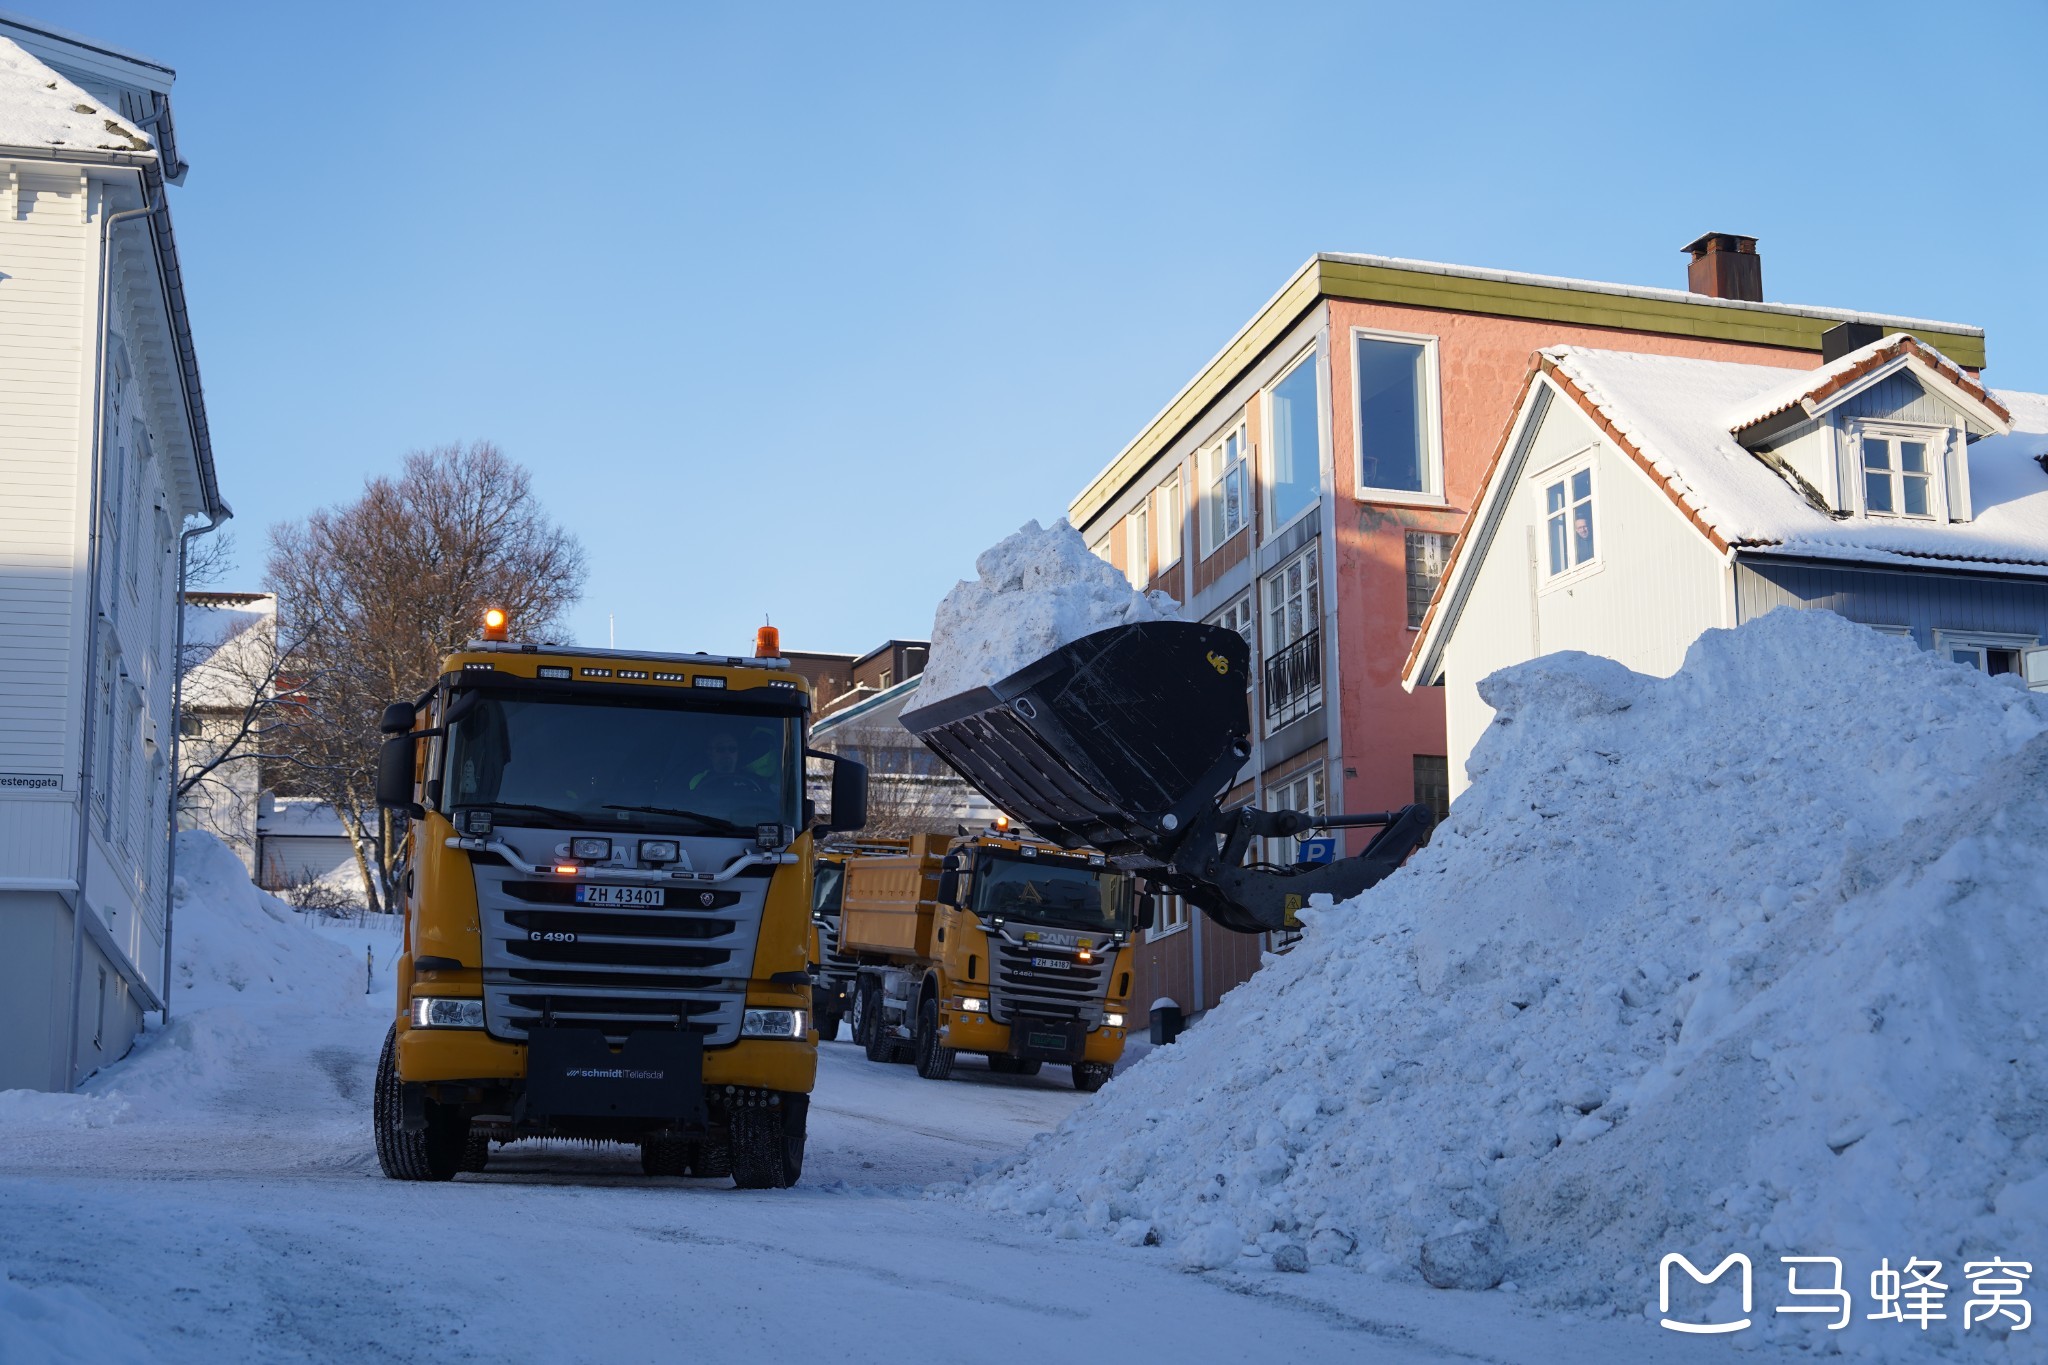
(1294, 679)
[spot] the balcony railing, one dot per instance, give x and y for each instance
(1294, 680)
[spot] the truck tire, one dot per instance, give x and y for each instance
(711, 1159)
(768, 1144)
(433, 1154)
(934, 1061)
(1089, 1076)
(863, 1012)
(828, 1025)
(476, 1152)
(664, 1155)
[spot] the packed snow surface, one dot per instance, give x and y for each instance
(1747, 959)
(1037, 590)
(39, 108)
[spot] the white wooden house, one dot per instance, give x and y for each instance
(1637, 501)
(230, 660)
(104, 462)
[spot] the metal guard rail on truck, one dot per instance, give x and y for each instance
(478, 844)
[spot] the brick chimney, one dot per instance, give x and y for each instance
(1725, 266)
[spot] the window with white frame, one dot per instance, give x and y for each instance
(1292, 677)
(1240, 617)
(1137, 547)
(1428, 552)
(1294, 445)
(1901, 471)
(1226, 508)
(1569, 534)
(1995, 653)
(1304, 792)
(1169, 916)
(1168, 519)
(1394, 379)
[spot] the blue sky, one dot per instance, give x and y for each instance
(792, 309)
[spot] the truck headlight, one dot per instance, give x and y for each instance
(973, 1004)
(430, 1011)
(660, 851)
(1113, 1019)
(590, 850)
(773, 1024)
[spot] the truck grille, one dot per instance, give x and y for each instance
(837, 962)
(1019, 987)
(621, 968)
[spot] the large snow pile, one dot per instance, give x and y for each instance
(1746, 959)
(1037, 590)
(236, 945)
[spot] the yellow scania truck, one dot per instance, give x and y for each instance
(607, 882)
(1010, 947)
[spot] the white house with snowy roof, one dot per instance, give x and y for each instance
(105, 465)
(1639, 500)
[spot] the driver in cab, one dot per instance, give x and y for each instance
(724, 775)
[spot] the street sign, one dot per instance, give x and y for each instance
(1317, 851)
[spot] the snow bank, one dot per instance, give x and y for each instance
(1038, 589)
(246, 971)
(1746, 959)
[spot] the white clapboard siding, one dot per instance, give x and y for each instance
(48, 258)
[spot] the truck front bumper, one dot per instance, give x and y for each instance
(473, 1055)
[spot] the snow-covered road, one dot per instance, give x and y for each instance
(247, 1220)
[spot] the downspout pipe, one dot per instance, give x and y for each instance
(215, 519)
(89, 732)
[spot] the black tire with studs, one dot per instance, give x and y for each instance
(768, 1143)
(1090, 1076)
(435, 1153)
(711, 1159)
(664, 1155)
(934, 1060)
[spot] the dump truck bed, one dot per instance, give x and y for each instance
(889, 900)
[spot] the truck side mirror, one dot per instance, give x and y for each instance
(395, 774)
(398, 718)
(1146, 910)
(949, 887)
(849, 795)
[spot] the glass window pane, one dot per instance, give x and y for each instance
(1915, 491)
(1392, 443)
(1295, 463)
(1553, 498)
(1877, 454)
(1877, 492)
(1913, 456)
(1582, 485)
(1557, 560)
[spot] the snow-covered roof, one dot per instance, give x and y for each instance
(299, 817)
(1676, 418)
(1672, 416)
(41, 109)
(1813, 391)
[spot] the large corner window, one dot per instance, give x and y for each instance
(1293, 673)
(1901, 472)
(1225, 509)
(1399, 454)
(1569, 531)
(1294, 448)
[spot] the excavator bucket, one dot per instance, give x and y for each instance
(1112, 742)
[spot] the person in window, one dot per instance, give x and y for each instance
(1582, 535)
(724, 775)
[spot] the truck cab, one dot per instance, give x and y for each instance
(1010, 947)
(608, 886)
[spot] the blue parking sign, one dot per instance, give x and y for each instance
(1317, 851)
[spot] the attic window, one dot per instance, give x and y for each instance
(1901, 472)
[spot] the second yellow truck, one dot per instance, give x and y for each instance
(1012, 948)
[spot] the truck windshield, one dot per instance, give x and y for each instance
(1052, 892)
(619, 763)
